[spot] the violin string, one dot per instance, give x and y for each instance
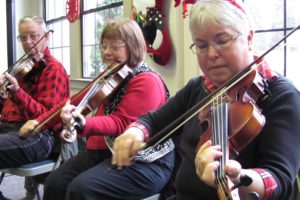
(84, 102)
(219, 128)
(225, 147)
(87, 97)
(214, 141)
(70, 127)
(221, 135)
(91, 93)
(74, 97)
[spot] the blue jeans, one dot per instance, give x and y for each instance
(15, 151)
(89, 176)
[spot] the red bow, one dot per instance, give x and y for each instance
(233, 2)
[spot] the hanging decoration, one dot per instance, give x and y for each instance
(184, 6)
(72, 10)
(149, 15)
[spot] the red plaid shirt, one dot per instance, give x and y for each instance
(38, 94)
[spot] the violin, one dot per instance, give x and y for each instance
(233, 120)
(238, 109)
(54, 117)
(21, 71)
(21, 68)
(97, 95)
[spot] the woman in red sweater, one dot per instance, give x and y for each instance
(87, 175)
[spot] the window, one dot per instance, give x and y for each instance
(95, 14)
(3, 43)
(59, 42)
(271, 25)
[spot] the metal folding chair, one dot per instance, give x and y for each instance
(153, 197)
(31, 170)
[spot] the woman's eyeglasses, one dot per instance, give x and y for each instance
(220, 43)
(113, 47)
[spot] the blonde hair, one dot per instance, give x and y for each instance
(128, 31)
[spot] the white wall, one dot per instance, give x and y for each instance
(3, 37)
(26, 8)
(183, 64)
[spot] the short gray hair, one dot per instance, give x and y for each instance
(219, 12)
(36, 19)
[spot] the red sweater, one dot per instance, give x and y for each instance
(145, 92)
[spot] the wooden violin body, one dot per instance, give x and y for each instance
(105, 89)
(234, 120)
(245, 119)
(23, 66)
(97, 95)
(21, 69)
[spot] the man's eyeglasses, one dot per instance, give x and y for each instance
(220, 43)
(32, 36)
(113, 47)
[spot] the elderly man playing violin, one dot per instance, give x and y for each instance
(27, 96)
(218, 162)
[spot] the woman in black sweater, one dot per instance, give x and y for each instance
(270, 161)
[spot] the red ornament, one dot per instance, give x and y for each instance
(73, 10)
(184, 5)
